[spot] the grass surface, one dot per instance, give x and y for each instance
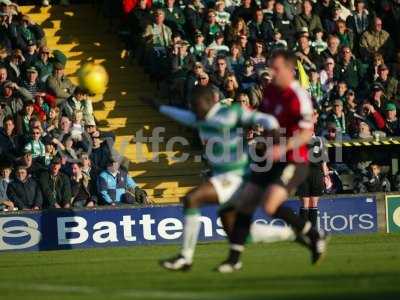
(357, 267)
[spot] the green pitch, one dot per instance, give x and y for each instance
(357, 267)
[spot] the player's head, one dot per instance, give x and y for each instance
(282, 63)
(203, 98)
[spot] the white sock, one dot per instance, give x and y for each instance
(190, 234)
(264, 233)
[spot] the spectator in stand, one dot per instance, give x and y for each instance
(235, 58)
(237, 30)
(60, 85)
(31, 54)
(56, 186)
(26, 32)
(221, 72)
(24, 118)
(24, 191)
(389, 83)
(32, 83)
(115, 186)
(43, 64)
(101, 152)
(359, 21)
(14, 98)
(5, 173)
(244, 11)
(35, 145)
(344, 34)
(10, 142)
(350, 69)
(373, 181)
(339, 117)
(376, 39)
(82, 187)
(260, 29)
(392, 123)
(307, 19)
(174, 17)
(258, 58)
(333, 49)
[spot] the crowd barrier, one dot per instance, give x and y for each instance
(128, 226)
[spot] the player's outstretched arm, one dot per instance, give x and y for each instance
(250, 118)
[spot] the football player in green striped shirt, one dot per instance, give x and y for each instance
(220, 129)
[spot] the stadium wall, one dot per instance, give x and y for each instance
(127, 226)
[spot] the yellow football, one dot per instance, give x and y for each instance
(93, 77)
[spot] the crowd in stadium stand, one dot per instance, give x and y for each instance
(348, 59)
(51, 153)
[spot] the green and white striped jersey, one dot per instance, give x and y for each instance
(222, 133)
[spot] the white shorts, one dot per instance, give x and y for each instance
(226, 185)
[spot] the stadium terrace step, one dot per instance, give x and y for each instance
(81, 33)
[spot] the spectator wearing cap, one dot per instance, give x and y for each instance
(277, 43)
(114, 184)
(43, 64)
(219, 45)
(350, 69)
(24, 191)
(376, 39)
(198, 49)
(5, 179)
(259, 28)
(307, 19)
(174, 17)
(35, 145)
(14, 65)
(14, 97)
(83, 188)
(59, 85)
(283, 24)
(28, 31)
(389, 83)
(31, 54)
(56, 186)
(378, 97)
(10, 142)
(32, 83)
(392, 123)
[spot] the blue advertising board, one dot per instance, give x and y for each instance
(61, 229)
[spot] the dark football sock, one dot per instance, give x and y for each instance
(304, 213)
(240, 232)
(313, 216)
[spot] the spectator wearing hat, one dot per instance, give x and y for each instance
(83, 189)
(350, 69)
(14, 65)
(219, 45)
(174, 17)
(259, 28)
(59, 84)
(10, 142)
(376, 39)
(114, 184)
(378, 97)
(389, 83)
(31, 54)
(35, 144)
(43, 64)
(14, 97)
(32, 83)
(24, 191)
(5, 179)
(56, 186)
(277, 43)
(307, 19)
(392, 123)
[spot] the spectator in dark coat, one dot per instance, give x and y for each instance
(56, 186)
(24, 191)
(5, 173)
(10, 142)
(307, 19)
(259, 28)
(392, 123)
(82, 186)
(101, 152)
(350, 69)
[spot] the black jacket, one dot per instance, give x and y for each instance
(25, 195)
(55, 189)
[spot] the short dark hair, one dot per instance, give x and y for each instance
(204, 93)
(8, 118)
(287, 56)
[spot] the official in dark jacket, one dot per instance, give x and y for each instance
(24, 191)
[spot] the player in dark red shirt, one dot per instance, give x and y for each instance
(284, 166)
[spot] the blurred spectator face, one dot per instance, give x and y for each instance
(85, 161)
(55, 168)
(31, 49)
(377, 95)
(28, 110)
(27, 159)
(243, 41)
(198, 69)
(49, 148)
(53, 113)
(378, 59)
(3, 74)
(96, 139)
(6, 172)
(76, 170)
(331, 132)
(351, 99)
(364, 130)
(303, 43)
(159, 17)
(9, 127)
(59, 72)
(347, 54)
(203, 79)
(338, 109)
(244, 100)
(32, 76)
(360, 6)
(142, 4)
(69, 143)
(170, 3)
(199, 39)
(383, 72)
(329, 64)
(246, 3)
(35, 123)
(21, 174)
(279, 8)
(221, 65)
(235, 50)
(44, 54)
(342, 88)
(259, 16)
(65, 124)
(231, 84)
(391, 115)
(211, 17)
(333, 43)
(113, 167)
(8, 91)
(248, 68)
(341, 26)
(375, 170)
(315, 116)
(283, 72)
(36, 134)
(259, 48)
(378, 25)
(307, 8)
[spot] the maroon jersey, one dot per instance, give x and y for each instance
(293, 109)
